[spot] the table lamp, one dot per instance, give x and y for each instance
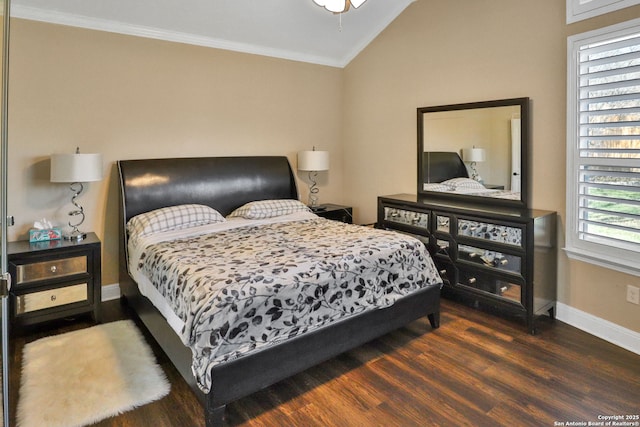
(313, 162)
(76, 168)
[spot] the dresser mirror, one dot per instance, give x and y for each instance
(475, 152)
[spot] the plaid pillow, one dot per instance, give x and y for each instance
(172, 218)
(269, 208)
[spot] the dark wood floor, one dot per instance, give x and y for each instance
(476, 369)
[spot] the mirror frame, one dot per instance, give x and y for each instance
(524, 153)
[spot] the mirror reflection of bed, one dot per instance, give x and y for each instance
(446, 172)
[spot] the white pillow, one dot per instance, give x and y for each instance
(172, 218)
(466, 183)
(438, 187)
(269, 208)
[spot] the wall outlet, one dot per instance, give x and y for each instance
(633, 294)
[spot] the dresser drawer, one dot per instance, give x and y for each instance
(443, 223)
(44, 270)
(443, 248)
(509, 290)
(491, 232)
(492, 259)
(401, 216)
(447, 272)
(50, 298)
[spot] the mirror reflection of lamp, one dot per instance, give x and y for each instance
(473, 156)
(313, 162)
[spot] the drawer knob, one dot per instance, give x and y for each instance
(472, 280)
(473, 228)
(54, 268)
(504, 261)
(504, 289)
(443, 272)
(472, 255)
(53, 297)
(504, 234)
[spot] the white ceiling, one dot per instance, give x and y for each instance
(291, 29)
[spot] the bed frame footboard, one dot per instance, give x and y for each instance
(254, 372)
(247, 375)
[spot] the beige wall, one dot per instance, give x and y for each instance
(443, 52)
(129, 97)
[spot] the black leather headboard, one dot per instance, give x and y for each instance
(440, 166)
(224, 183)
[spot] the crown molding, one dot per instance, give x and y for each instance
(80, 21)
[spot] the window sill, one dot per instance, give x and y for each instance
(601, 260)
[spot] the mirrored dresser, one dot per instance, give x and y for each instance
(494, 256)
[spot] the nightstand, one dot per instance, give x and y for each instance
(54, 279)
(335, 212)
(493, 186)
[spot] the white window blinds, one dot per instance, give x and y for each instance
(583, 9)
(604, 179)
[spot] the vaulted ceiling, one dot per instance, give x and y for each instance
(291, 29)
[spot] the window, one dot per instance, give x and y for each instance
(582, 9)
(603, 147)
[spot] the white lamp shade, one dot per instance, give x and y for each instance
(473, 154)
(313, 160)
(76, 167)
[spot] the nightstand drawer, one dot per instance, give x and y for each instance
(50, 298)
(33, 272)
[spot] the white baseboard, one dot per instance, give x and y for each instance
(601, 328)
(111, 292)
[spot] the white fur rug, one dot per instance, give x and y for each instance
(82, 377)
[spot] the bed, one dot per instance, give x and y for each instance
(223, 362)
(446, 172)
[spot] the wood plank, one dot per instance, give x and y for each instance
(476, 369)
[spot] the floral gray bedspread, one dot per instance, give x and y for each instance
(241, 289)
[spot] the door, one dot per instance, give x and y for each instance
(5, 281)
(516, 154)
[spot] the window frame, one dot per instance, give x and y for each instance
(577, 10)
(627, 261)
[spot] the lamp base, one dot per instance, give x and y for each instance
(75, 236)
(318, 208)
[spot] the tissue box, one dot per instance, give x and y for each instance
(42, 235)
